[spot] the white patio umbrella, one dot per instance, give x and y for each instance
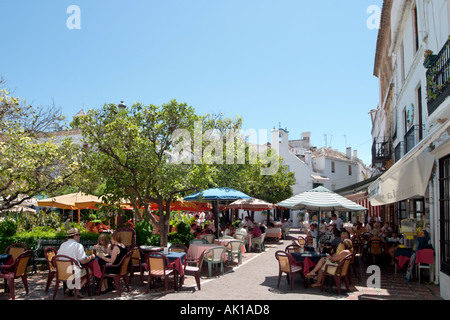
(321, 199)
(251, 205)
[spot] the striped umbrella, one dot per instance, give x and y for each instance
(320, 199)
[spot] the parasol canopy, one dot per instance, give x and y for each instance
(319, 199)
(69, 201)
(252, 204)
(226, 194)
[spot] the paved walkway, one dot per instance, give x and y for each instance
(255, 279)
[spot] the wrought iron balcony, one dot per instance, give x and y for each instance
(438, 78)
(382, 149)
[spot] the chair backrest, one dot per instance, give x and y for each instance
(301, 241)
(210, 238)
(292, 248)
(16, 249)
(128, 236)
(215, 254)
(157, 261)
(178, 248)
(309, 240)
(425, 256)
(235, 246)
(376, 246)
(125, 262)
(201, 241)
(240, 236)
(343, 266)
(284, 261)
(21, 263)
(65, 267)
(49, 253)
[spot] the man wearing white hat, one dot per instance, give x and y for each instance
(72, 248)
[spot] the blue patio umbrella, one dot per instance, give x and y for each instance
(214, 195)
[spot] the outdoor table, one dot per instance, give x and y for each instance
(151, 248)
(402, 255)
(307, 259)
(273, 233)
(195, 249)
(225, 243)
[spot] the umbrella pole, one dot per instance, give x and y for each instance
(215, 210)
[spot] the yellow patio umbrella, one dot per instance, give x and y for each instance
(68, 201)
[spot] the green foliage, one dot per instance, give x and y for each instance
(144, 233)
(8, 228)
(236, 223)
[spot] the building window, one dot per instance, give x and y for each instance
(444, 208)
(349, 170)
(333, 167)
(415, 30)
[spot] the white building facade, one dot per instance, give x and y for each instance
(410, 126)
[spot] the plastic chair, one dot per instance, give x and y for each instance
(259, 241)
(424, 260)
(210, 238)
(49, 253)
(17, 270)
(194, 267)
(214, 256)
(242, 237)
(338, 272)
(201, 241)
(158, 268)
(235, 248)
(123, 273)
(66, 270)
(288, 265)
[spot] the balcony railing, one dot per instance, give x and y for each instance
(382, 149)
(438, 79)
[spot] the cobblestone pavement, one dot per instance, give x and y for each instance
(255, 279)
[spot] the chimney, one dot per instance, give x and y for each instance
(355, 154)
(349, 152)
(308, 158)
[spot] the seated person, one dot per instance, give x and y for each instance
(313, 232)
(393, 243)
(329, 260)
(255, 232)
(103, 244)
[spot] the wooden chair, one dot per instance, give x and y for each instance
(309, 240)
(67, 269)
(292, 248)
(178, 248)
(49, 253)
(16, 249)
(337, 272)
(288, 265)
(194, 267)
(157, 268)
(301, 241)
(122, 274)
(136, 263)
(235, 248)
(17, 270)
(128, 237)
(375, 249)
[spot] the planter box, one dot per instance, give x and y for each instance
(429, 61)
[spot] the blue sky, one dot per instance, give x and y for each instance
(307, 65)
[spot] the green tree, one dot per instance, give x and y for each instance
(132, 151)
(30, 160)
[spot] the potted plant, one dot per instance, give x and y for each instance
(430, 58)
